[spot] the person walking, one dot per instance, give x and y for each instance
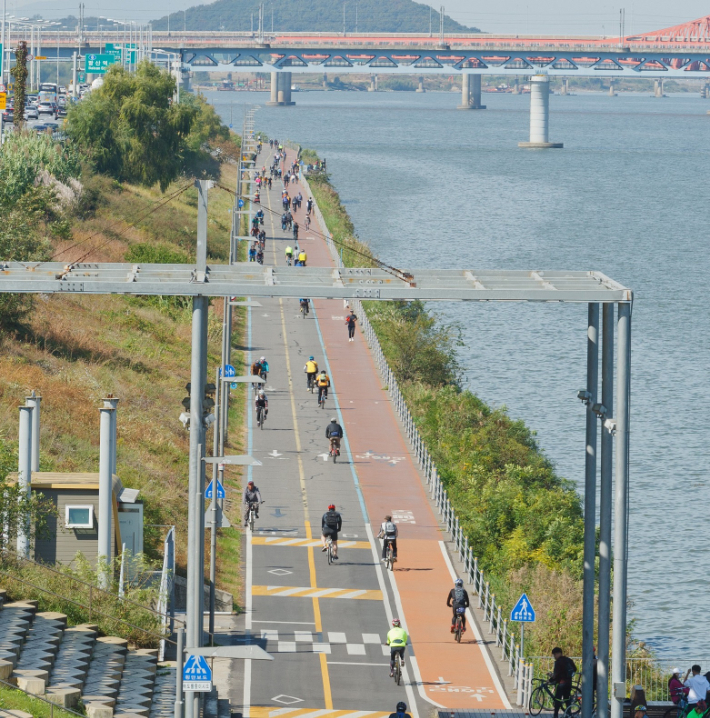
(350, 322)
(562, 673)
(697, 684)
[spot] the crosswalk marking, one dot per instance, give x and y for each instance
(267, 712)
(371, 638)
(310, 592)
(304, 543)
(337, 637)
(356, 649)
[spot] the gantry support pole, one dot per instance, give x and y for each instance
(24, 477)
(621, 508)
(590, 507)
(605, 503)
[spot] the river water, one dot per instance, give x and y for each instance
(428, 185)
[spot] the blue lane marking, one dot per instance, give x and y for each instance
(248, 387)
(341, 422)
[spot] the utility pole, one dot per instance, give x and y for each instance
(343, 19)
(441, 25)
(431, 12)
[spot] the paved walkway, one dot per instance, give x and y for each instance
(325, 624)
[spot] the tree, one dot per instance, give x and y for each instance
(131, 128)
(19, 74)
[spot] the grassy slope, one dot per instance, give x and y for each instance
(78, 349)
(16, 700)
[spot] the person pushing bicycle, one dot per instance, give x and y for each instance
(562, 673)
(397, 641)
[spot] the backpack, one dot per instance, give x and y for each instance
(571, 668)
(335, 431)
(390, 528)
(331, 520)
(459, 593)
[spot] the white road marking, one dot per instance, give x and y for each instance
(356, 649)
(371, 638)
(270, 634)
(303, 636)
(287, 646)
(337, 637)
(321, 648)
(325, 457)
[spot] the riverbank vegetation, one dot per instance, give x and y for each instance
(90, 200)
(523, 521)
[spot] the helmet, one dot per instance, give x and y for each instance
(262, 358)
(251, 483)
(310, 358)
(322, 371)
(331, 507)
(396, 622)
(333, 421)
(401, 707)
(458, 582)
(261, 392)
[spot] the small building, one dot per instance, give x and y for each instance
(74, 529)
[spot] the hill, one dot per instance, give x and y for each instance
(315, 15)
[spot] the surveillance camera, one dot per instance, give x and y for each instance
(185, 419)
(599, 410)
(584, 396)
(610, 426)
(209, 420)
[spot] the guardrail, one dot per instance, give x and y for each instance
(492, 611)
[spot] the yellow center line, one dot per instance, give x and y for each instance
(304, 498)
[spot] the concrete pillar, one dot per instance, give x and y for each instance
(471, 92)
(539, 114)
(34, 402)
(465, 92)
(516, 87)
(287, 80)
(111, 402)
(421, 85)
(325, 81)
(274, 89)
(105, 493)
(565, 86)
(24, 476)
(611, 89)
(658, 88)
(373, 84)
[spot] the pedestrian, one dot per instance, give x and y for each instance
(562, 673)
(697, 684)
(676, 689)
(350, 321)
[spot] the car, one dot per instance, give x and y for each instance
(31, 113)
(8, 114)
(40, 128)
(45, 108)
(62, 112)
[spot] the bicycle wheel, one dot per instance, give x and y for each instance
(251, 521)
(538, 700)
(390, 558)
(330, 553)
(335, 454)
(575, 705)
(459, 628)
(397, 669)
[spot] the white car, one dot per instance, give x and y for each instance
(31, 113)
(45, 108)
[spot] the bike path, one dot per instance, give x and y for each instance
(325, 625)
(452, 675)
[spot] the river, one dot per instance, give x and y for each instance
(428, 185)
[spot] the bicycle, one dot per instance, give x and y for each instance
(542, 697)
(334, 450)
(322, 396)
(389, 557)
(458, 626)
(252, 515)
(329, 549)
(304, 310)
(311, 381)
(679, 710)
(397, 674)
(260, 416)
(575, 706)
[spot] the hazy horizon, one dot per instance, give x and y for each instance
(549, 17)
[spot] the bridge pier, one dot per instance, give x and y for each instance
(373, 84)
(471, 92)
(658, 88)
(612, 93)
(325, 81)
(516, 86)
(421, 85)
(280, 90)
(565, 87)
(540, 114)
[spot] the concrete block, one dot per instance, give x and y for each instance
(64, 697)
(53, 616)
(6, 669)
(146, 652)
(36, 686)
(99, 699)
(113, 641)
(14, 714)
(99, 710)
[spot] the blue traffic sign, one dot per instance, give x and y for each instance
(196, 669)
(240, 204)
(229, 370)
(220, 491)
(523, 612)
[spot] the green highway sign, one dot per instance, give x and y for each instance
(117, 52)
(98, 64)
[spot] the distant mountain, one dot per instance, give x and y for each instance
(312, 15)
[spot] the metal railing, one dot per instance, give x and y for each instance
(52, 706)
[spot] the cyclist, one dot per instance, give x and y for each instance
(252, 495)
(259, 217)
(562, 674)
(331, 523)
(252, 252)
(262, 401)
(295, 231)
(401, 711)
(304, 305)
(322, 382)
(307, 222)
(334, 432)
(255, 371)
(397, 641)
(264, 368)
(389, 533)
(289, 254)
(311, 370)
(458, 598)
(350, 321)
(260, 255)
(302, 257)
(284, 222)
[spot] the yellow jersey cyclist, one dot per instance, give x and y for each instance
(397, 641)
(322, 382)
(311, 370)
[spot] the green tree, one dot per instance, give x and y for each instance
(130, 127)
(19, 74)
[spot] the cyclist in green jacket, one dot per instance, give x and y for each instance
(397, 641)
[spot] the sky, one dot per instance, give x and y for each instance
(548, 17)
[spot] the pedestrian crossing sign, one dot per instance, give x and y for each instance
(523, 612)
(196, 675)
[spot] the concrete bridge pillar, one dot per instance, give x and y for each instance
(516, 87)
(565, 86)
(540, 114)
(658, 88)
(612, 93)
(325, 81)
(471, 92)
(373, 84)
(274, 87)
(280, 90)
(421, 85)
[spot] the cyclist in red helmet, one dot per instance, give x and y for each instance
(331, 523)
